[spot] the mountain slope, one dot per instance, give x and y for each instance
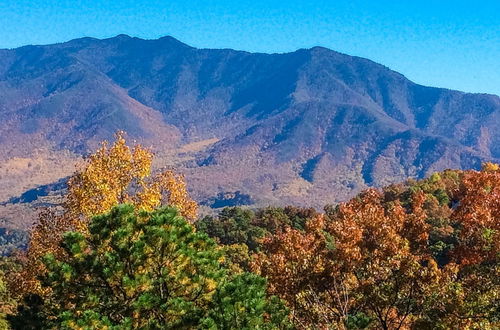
(309, 127)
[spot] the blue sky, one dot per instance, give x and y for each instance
(444, 43)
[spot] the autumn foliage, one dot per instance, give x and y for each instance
(478, 213)
(417, 255)
(114, 174)
(119, 174)
(403, 258)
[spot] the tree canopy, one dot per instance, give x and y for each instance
(113, 175)
(147, 270)
(126, 251)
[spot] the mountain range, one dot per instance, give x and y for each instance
(310, 127)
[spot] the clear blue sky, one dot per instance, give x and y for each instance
(444, 43)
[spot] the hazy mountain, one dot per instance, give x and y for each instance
(309, 127)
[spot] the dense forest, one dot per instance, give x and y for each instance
(128, 250)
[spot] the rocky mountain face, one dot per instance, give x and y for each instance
(309, 127)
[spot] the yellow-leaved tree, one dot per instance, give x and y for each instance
(120, 174)
(114, 174)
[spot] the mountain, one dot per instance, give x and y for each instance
(309, 127)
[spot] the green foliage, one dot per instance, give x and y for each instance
(237, 258)
(419, 255)
(233, 225)
(442, 196)
(3, 300)
(277, 219)
(146, 270)
(7, 301)
(242, 304)
(272, 219)
(357, 321)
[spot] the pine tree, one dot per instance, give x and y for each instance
(146, 270)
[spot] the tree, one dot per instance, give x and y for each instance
(367, 258)
(45, 237)
(476, 297)
(112, 175)
(5, 303)
(8, 302)
(478, 214)
(233, 225)
(120, 174)
(296, 266)
(277, 219)
(242, 304)
(150, 270)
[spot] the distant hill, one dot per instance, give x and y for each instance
(309, 127)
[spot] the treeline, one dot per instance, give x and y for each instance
(11, 240)
(128, 251)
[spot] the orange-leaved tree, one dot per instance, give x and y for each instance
(114, 174)
(295, 263)
(478, 214)
(384, 246)
(365, 260)
(474, 303)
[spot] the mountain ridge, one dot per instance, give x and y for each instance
(310, 127)
(172, 38)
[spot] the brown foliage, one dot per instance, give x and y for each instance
(367, 254)
(419, 255)
(478, 214)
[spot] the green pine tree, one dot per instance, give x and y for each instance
(147, 270)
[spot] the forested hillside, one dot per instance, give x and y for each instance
(309, 127)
